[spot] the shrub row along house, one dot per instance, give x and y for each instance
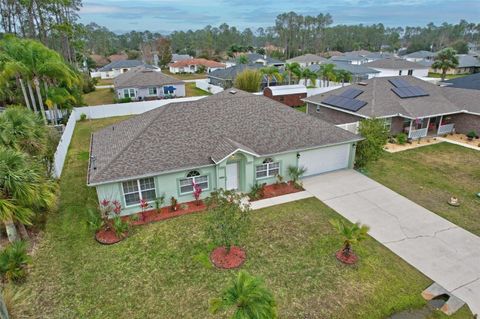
(407, 104)
(231, 140)
(142, 83)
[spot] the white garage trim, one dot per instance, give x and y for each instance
(326, 159)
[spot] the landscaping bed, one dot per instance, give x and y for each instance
(273, 190)
(233, 259)
(462, 138)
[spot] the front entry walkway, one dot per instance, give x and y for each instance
(444, 252)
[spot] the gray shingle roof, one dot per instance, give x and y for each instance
(382, 101)
(394, 63)
(123, 64)
(179, 57)
(471, 81)
(356, 69)
(232, 72)
(308, 58)
(140, 77)
(186, 135)
(467, 61)
(422, 54)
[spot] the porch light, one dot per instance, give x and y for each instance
(298, 155)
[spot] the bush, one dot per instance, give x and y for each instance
(13, 261)
(83, 117)
(295, 173)
(119, 226)
(375, 137)
(88, 83)
(249, 81)
(256, 192)
(94, 220)
(472, 135)
(402, 138)
(123, 100)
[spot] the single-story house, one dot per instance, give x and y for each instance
(256, 58)
(374, 56)
(290, 95)
(195, 65)
(471, 81)
(408, 104)
(231, 140)
(351, 58)
(180, 57)
(418, 56)
(397, 67)
(141, 83)
(225, 78)
(114, 69)
(359, 72)
(467, 64)
(308, 59)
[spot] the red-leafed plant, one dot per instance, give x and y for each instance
(197, 191)
(143, 206)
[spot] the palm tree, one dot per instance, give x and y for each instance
(249, 297)
(23, 189)
(292, 69)
(309, 75)
(271, 73)
(343, 76)
(445, 60)
(327, 72)
(351, 234)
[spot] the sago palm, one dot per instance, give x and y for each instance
(352, 234)
(248, 297)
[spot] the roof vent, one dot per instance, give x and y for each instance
(362, 83)
(93, 161)
(232, 92)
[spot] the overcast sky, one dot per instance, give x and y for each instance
(168, 15)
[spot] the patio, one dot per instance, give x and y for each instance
(428, 126)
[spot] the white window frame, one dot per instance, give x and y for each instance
(388, 123)
(139, 191)
(193, 179)
(268, 169)
(129, 93)
(152, 88)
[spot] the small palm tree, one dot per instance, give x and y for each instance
(445, 60)
(327, 72)
(307, 74)
(296, 172)
(271, 73)
(343, 76)
(249, 297)
(352, 234)
(292, 69)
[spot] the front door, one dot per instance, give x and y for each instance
(232, 176)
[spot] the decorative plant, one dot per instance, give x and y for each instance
(119, 226)
(279, 179)
(173, 203)
(248, 297)
(371, 147)
(159, 201)
(83, 117)
(256, 191)
(228, 217)
(295, 173)
(471, 135)
(352, 234)
(143, 206)
(197, 191)
(402, 138)
(13, 261)
(94, 220)
(117, 207)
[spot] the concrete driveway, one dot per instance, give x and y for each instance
(444, 252)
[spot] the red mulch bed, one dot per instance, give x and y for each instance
(166, 213)
(349, 260)
(235, 258)
(108, 237)
(274, 190)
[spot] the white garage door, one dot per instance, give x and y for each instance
(325, 159)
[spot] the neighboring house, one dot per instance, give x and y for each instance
(473, 48)
(351, 58)
(308, 59)
(225, 78)
(255, 58)
(195, 65)
(290, 95)
(374, 56)
(467, 64)
(114, 69)
(180, 57)
(397, 67)
(359, 72)
(141, 83)
(408, 104)
(471, 81)
(419, 56)
(231, 140)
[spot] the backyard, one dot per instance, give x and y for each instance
(99, 97)
(162, 270)
(430, 175)
(185, 76)
(192, 90)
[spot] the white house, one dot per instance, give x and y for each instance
(114, 69)
(397, 67)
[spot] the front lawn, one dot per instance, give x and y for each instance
(163, 271)
(430, 175)
(192, 90)
(99, 97)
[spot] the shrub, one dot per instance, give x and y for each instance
(173, 203)
(296, 172)
(375, 137)
(83, 117)
(94, 220)
(256, 191)
(119, 226)
(13, 261)
(249, 81)
(351, 234)
(197, 191)
(159, 201)
(472, 135)
(123, 100)
(402, 138)
(279, 179)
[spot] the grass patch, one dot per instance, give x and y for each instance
(99, 97)
(302, 108)
(186, 76)
(162, 270)
(447, 77)
(192, 90)
(429, 175)
(104, 81)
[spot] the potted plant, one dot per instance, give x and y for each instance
(173, 204)
(351, 235)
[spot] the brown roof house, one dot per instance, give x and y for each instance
(290, 95)
(407, 104)
(141, 83)
(230, 140)
(195, 65)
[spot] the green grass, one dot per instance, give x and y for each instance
(447, 77)
(98, 97)
(429, 175)
(192, 90)
(185, 76)
(302, 108)
(162, 269)
(105, 82)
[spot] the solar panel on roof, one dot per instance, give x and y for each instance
(399, 83)
(410, 91)
(351, 93)
(344, 103)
